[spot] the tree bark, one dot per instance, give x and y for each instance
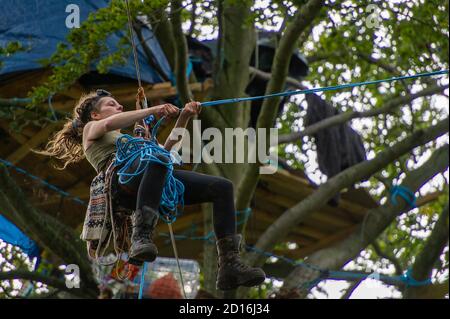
(376, 221)
(231, 75)
(162, 28)
(423, 266)
(390, 106)
(298, 213)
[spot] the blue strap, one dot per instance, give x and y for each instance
(324, 89)
(404, 193)
(410, 281)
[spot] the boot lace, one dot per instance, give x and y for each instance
(240, 265)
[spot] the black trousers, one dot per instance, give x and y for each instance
(146, 189)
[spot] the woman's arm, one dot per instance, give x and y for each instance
(190, 109)
(96, 129)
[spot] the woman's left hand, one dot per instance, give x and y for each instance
(191, 109)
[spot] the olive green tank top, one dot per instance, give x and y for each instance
(101, 150)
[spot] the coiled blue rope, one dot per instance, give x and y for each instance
(135, 149)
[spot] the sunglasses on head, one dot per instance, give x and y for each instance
(102, 93)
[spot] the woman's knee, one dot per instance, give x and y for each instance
(222, 186)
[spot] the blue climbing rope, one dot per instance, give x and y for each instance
(136, 149)
(323, 89)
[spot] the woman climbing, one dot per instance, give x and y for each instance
(93, 133)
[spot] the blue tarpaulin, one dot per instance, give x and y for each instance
(41, 24)
(10, 234)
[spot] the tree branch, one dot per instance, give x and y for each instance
(351, 289)
(148, 52)
(267, 76)
(299, 212)
(388, 256)
(193, 17)
(376, 221)
(389, 106)
(432, 250)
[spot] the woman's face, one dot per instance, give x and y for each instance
(107, 106)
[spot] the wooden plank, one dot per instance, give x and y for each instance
(287, 178)
(307, 231)
(256, 232)
(74, 91)
(275, 211)
(153, 92)
(19, 138)
(337, 218)
(347, 209)
(23, 151)
(26, 132)
(181, 223)
(327, 242)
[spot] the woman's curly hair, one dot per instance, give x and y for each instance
(66, 144)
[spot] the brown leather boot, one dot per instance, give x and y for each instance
(232, 272)
(142, 247)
